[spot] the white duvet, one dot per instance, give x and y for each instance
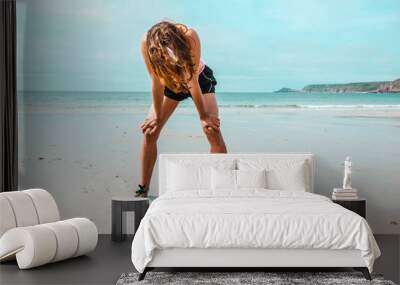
(250, 219)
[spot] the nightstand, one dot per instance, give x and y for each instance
(121, 204)
(358, 206)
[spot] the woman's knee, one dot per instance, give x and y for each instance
(152, 138)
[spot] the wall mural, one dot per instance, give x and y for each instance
(284, 74)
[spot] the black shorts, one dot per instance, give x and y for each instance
(207, 84)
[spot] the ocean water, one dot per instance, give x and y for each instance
(42, 101)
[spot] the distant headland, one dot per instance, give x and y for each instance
(367, 87)
(286, 90)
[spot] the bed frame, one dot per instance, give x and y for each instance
(234, 259)
(249, 259)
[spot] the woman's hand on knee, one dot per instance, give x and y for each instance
(210, 124)
(150, 125)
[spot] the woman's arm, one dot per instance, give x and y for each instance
(157, 88)
(150, 125)
(195, 90)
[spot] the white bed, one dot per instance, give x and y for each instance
(201, 220)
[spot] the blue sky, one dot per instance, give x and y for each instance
(93, 45)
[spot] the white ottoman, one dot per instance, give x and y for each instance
(31, 232)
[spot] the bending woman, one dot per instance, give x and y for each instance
(171, 53)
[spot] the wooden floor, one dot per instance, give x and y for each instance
(110, 260)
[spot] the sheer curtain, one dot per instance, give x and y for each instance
(8, 97)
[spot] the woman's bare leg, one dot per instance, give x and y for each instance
(148, 153)
(217, 144)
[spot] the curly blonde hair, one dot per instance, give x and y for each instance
(168, 51)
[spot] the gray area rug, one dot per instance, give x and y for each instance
(232, 278)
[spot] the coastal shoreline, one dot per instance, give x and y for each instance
(355, 87)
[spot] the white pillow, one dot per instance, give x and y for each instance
(282, 174)
(251, 178)
(193, 174)
(229, 179)
(223, 179)
(187, 177)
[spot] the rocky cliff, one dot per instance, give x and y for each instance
(374, 87)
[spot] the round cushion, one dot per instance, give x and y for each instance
(87, 233)
(67, 240)
(23, 208)
(7, 215)
(33, 246)
(46, 207)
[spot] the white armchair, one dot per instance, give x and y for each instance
(31, 230)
